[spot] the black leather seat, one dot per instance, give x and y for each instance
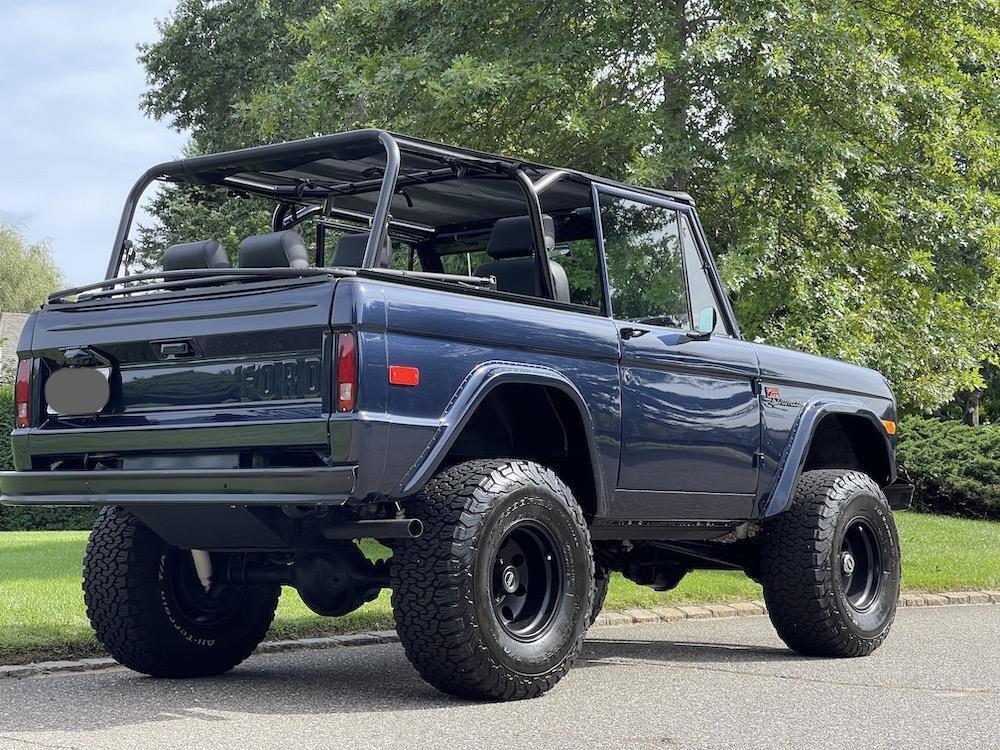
(350, 252)
(194, 255)
(274, 250)
(514, 266)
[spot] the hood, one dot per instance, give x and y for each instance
(828, 374)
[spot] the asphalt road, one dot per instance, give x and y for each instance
(697, 684)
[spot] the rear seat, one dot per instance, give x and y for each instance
(274, 250)
(350, 252)
(194, 255)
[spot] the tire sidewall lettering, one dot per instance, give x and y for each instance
(875, 619)
(532, 503)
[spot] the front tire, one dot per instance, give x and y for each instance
(151, 613)
(830, 566)
(493, 601)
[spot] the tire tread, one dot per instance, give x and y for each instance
(436, 622)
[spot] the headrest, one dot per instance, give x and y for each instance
(204, 254)
(275, 250)
(350, 252)
(512, 238)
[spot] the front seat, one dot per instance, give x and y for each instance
(194, 255)
(350, 252)
(274, 250)
(511, 247)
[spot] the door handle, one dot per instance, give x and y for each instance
(633, 333)
(170, 349)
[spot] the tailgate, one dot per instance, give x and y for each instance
(236, 372)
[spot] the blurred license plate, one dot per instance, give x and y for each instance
(77, 391)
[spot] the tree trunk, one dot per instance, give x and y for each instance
(676, 94)
(971, 410)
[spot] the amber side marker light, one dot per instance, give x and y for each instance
(890, 426)
(399, 375)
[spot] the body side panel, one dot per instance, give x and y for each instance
(463, 346)
(797, 391)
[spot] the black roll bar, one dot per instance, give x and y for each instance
(535, 218)
(380, 219)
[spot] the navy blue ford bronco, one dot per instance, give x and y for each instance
(517, 378)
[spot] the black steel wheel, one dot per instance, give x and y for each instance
(151, 612)
(860, 564)
(493, 601)
(186, 598)
(527, 580)
(830, 565)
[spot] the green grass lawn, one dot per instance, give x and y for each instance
(42, 614)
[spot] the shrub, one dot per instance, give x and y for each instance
(955, 468)
(32, 519)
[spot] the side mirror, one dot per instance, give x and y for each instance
(707, 320)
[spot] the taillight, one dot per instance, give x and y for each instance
(347, 372)
(22, 394)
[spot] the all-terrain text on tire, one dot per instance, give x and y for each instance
(525, 381)
(152, 614)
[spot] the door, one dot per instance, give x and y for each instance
(690, 411)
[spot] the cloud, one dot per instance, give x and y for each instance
(16, 218)
(73, 136)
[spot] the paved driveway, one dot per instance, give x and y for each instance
(694, 684)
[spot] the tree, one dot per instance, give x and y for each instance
(27, 272)
(211, 56)
(842, 153)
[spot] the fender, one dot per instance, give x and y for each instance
(468, 397)
(779, 495)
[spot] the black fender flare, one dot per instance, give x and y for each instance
(778, 496)
(478, 384)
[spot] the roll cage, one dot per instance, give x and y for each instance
(375, 180)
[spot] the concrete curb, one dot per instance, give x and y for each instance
(745, 609)
(607, 619)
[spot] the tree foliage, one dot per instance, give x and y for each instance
(187, 213)
(845, 155)
(955, 468)
(27, 272)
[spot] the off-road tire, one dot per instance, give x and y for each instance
(443, 581)
(130, 589)
(801, 550)
(602, 579)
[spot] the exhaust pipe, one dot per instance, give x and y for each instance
(388, 528)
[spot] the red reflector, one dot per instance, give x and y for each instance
(399, 375)
(347, 372)
(22, 394)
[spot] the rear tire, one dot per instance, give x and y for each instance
(602, 579)
(493, 601)
(830, 566)
(150, 612)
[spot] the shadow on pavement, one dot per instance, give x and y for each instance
(334, 681)
(601, 651)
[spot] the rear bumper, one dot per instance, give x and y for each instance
(899, 495)
(307, 486)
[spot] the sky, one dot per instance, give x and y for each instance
(72, 137)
